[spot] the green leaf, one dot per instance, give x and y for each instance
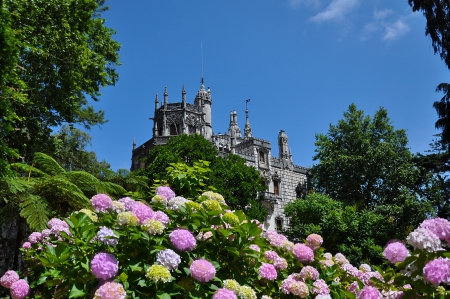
(75, 292)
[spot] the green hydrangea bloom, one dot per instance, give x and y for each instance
(232, 285)
(214, 196)
(153, 227)
(158, 273)
(212, 205)
(193, 205)
(246, 292)
(127, 218)
(231, 219)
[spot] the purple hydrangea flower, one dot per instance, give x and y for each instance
(161, 217)
(224, 294)
(280, 263)
(26, 245)
(303, 253)
(165, 191)
(55, 222)
(395, 251)
(110, 290)
(267, 271)
(104, 266)
(320, 287)
(182, 239)
(101, 202)
(128, 202)
(202, 270)
(142, 211)
(9, 278)
(369, 293)
(168, 258)
(107, 236)
(35, 237)
(437, 271)
(309, 273)
(19, 289)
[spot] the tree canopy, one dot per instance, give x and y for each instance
(237, 182)
(363, 160)
(59, 55)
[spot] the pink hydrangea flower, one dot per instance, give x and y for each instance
(280, 263)
(303, 253)
(9, 278)
(26, 245)
(142, 211)
(19, 289)
(423, 238)
(270, 255)
(314, 241)
(182, 239)
(437, 271)
(353, 287)
(165, 191)
(395, 251)
(340, 259)
(55, 223)
(309, 273)
(369, 293)
(320, 287)
(438, 226)
(202, 270)
(255, 247)
(224, 294)
(299, 288)
(110, 290)
(275, 239)
(104, 266)
(101, 202)
(267, 271)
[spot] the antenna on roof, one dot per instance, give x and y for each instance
(201, 54)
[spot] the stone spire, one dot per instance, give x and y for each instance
(183, 96)
(166, 97)
(156, 102)
(134, 143)
(247, 128)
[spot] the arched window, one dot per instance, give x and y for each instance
(173, 129)
(261, 157)
(276, 187)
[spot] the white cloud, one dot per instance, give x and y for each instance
(395, 30)
(336, 10)
(297, 3)
(381, 14)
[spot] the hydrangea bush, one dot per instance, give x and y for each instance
(178, 248)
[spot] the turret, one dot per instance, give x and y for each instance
(247, 128)
(283, 146)
(166, 97)
(183, 97)
(156, 103)
(203, 101)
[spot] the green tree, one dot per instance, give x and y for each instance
(363, 160)
(237, 182)
(72, 154)
(64, 54)
(437, 14)
(434, 181)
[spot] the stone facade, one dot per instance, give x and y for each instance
(284, 181)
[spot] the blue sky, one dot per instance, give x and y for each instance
(301, 62)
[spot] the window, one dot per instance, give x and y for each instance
(276, 188)
(279, 224)
(173, 129)
(261, 157)
(192, 130)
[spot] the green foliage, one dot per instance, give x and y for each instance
(58, 53)
(188, 180)
(356, 234)
(230, 176)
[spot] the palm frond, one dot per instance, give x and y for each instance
(111, 189)
(35, 211)
(61, 194)
(48, 164)
(26, 170)
(84, 180)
